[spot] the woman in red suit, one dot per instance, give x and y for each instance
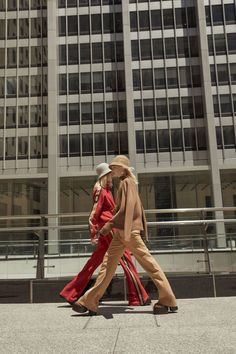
(101, 213)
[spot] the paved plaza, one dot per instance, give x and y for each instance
(205, 325)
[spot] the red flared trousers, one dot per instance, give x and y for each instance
(136, 293)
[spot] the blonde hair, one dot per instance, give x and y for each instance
(102, 182)
(129, 173)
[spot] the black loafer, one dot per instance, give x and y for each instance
(79, 308)
(159, 309)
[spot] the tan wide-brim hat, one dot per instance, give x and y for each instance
(120, 160)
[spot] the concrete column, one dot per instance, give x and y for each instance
(209, 116)
(53, 133)
(129, 83)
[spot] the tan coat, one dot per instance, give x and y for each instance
(128, 214)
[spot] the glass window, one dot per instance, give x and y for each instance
(111, 112)
(220, 47)
(10, 148)
(35, 116)
(11, 87)
(72, 54)
(85, 55)
(174, 108)
(11, 117)
(213, 75)
(109, 52)
(62, 25)
(11, 28)
(229, 137)
(168, 18)
(62, 54)
(35, 27)
(191, 17)
(122, 111)
(138, 114)
(108, 24)
(216, 106)
(11, 57)
(23, 57)
(233, 73)
(198, 104)
(110, 81)
(36, 85)
(86, 113)
(151, 141)
(196, 76)
(71, 3)
(176, 140)
(187, 107)
(133, 22)
(201, 138)
(231, 42)
(208, 15)
(185, 76)
(118, 22)
(35, 147)
(99, 116)
(230, 15)
(226, 105)
(63, 146)
(190, 139)
(139, 142)
(172, 77)
(95, 2)
(98, 84)
(144, 21)
(223, 74)
(160, 78)
(194, 51)
(164, 140)
(112, 143)
(119, 51)
(72, 23)
(23, 147)
(84, 24)
(219, 138)
(63, 114)
(217, 15)
(145, 45)
(85, 83)
(156, 19)
(24, 28)
(74, 117)
(170, 47)
(123, 142)
(135, 50)
(149, 110)
(97, 55)
(120, 80)
(2, 29)
(87, 144)
(1, 117)
(61, 3)
(136, 80)
(157, 48)
(74, 144)
(62, 84)
(2, 87)
(162, 109)
(181, 17)
(96, 23)
(2, 5)
(83, 3)
(23, 86)
(147, 79)
(100, 144)
(183, 49)
(74, 83)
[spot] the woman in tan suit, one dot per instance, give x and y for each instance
(130, 227)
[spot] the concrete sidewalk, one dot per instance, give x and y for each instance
(201, 326)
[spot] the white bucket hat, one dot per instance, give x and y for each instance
(102, 169)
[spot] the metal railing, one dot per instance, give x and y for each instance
(42, 226)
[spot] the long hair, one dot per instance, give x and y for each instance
(128, 172)
(102, 182)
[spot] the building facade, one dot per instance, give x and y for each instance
(84, 80)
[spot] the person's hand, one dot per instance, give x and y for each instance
(94, 240)
(105, 230)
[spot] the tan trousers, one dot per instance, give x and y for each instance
(136, 245)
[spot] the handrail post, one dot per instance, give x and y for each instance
(205, 243)
(40, 260)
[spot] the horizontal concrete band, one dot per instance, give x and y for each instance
(184, 286)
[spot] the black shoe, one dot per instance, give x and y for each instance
(159, 309)
(79, 308)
